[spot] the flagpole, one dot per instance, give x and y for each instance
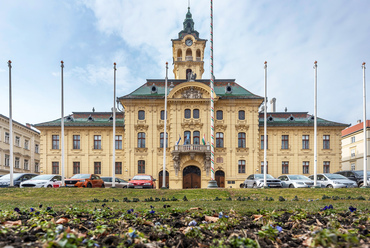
(114, 131)
(265, 132)
(212, 183)
(165, 130)
(62, 121)
(315, 127)
(11, 162)
(365, 134)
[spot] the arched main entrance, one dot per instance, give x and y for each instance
(160, 180)
(191, 177)
(220, 178)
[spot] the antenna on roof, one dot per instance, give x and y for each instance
(188, 4)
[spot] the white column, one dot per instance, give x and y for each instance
(11, 157)
(365, 134)
(62, 123)
(315, 126)
(265, 132)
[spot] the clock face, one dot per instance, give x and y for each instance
(189, 42)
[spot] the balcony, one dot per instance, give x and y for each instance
(179, 58)
(192, 148)
(188, 58)
(198, 59)
(202, 151)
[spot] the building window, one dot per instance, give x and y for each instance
(326, 142)
(326, 168)
(241, 115)
(118, 168)
(196, 113)
(353, 166)
(263, 143)
(285, 142)
(97, 142)
(241, 140)
(353, 153)
(55, 142)
(37, 167)
(241, 166)
(285, 167)
(97, 167)
(76, 167)
(6, 138)
(37, 148)
(118, 142)
(26, 143)
(141, 115)
(219, 115)
(219, 160)
(306, 167)
(17, 141)
(141, 167)
(263, 167)
(162, 115)
(187, 114)
(55, 167)
(187, 137)
(219, 140)
(196, 137)
(25, 165)
(76, 142)
(161, 140)
(16, 163)
(305, 142)
(141, 140)
(6, 160)
(353, 139)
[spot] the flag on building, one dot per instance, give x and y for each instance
(187, 139)
(204, 139)
(178, 140)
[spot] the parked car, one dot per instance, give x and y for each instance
(43, 181)
(85, 181)
(330, 180)
(119, 183)
(257, 181)
(295, 181)
(356, 175)
(17, 179)
(142, 182)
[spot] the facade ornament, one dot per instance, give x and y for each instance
(176, 164)
(192, 93)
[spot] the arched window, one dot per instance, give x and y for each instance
(187, 114)
(162, 115)
(196, 113)
(196, 138)
(241, 140)
(141, 140)
(219, 115)
(241, 115)
(198, 55)
(161, 140)
(141, 115)
(179, 55)
(187, 137)
(189, 55)
(219, 140)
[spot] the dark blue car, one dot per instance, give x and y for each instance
(17, 179)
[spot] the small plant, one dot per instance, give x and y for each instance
(281, 198)
(184, 198)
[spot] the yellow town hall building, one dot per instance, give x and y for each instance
(238, 131)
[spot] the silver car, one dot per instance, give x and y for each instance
(257, 181)
(119, 183)
(330, 180)
(295, 181)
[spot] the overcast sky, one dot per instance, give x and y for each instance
(136, 34)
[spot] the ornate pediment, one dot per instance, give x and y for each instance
(141, 128)
(192, 93)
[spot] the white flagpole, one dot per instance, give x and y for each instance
(265, 132)
(11, 162)
(62, 123)
(165, 129)
(114, 131)
(315, 127)
(365, 134)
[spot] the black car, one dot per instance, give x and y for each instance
(17, 179)
(355, 175)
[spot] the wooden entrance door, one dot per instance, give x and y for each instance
(160, 180)
(191, 178)
(220, 178)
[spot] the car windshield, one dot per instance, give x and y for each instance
(43, 177)
(141, 178)
(335, 176)
(81, 176)
(260, 176)
(7, 177)
(298, 177)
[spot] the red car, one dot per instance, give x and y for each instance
(85, 181)
(142, 182)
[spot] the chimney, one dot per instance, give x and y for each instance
(273, 105)
(28, 125)
(358, 121)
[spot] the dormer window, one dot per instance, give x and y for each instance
(228, 89)
(291, 118)
(270, 118)
(311, 118)
(70, 118)
(90, 118)
(110, 118)
(154, 89)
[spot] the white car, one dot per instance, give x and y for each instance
(43, 181)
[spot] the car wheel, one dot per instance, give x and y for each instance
(291, 186)
(103, 185)
(255, 186)
(124, 187)
(330, 186)
(360, 185)
(49, 186)
(89, 185)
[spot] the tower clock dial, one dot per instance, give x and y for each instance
(189, 42)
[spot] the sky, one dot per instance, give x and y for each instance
(90, 35)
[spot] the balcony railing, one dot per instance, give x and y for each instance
(188, 58)
(199, 59)
(192, 147)
(179, 58)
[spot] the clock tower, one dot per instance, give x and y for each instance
(188, 51)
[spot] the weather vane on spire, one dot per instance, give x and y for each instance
(188, 4)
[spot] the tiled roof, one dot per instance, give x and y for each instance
(355, 128)
(296, 119)
(145, 91)
(87, 119)
(24, 126)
